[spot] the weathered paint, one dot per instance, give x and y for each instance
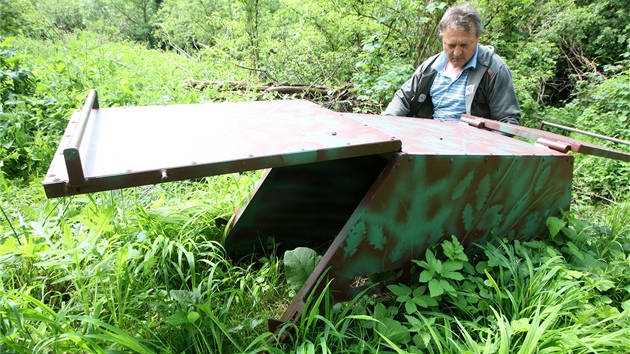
(420, 200)
(424, 199)
(373, 192)
(132, 146)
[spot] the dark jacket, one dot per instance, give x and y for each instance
(491, 96)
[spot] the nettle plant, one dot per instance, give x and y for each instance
(513, 296)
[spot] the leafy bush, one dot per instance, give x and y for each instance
(602, 108)
(24, 140)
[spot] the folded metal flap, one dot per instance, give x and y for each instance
(132, 146)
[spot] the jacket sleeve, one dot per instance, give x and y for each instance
(502, 99)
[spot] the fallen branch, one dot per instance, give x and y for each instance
(342, 99)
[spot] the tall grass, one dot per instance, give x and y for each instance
(128, 270)
(143, 270)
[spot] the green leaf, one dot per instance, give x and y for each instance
(521, 325)
(193, 316)
(419, 291)
(299, 264)
(447, 287)
(426, 275)
(554, 225)
(177, 319)
(410, 307)
(425, 301)
(454, 250)
(435, 288)
(399, 290)
(430, 257)
(453, 275)
(380, 312)
(185, 297)
(450, 266)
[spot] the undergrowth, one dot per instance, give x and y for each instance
(143, 270)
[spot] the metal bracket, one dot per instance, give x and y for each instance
(553, 141)
(76, 177)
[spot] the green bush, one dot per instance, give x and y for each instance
(602, 108)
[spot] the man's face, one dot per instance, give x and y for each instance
(459, 45)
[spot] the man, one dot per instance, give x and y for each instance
(466, 78)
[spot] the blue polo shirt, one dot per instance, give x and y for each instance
(448, 94)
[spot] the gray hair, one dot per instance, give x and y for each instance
(462, 16)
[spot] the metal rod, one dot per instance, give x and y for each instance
(71, 155)
(543, 123)
(90, 103)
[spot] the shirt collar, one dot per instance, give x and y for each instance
(440, 63)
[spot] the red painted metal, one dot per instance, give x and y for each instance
(131, 146)
(428, 136)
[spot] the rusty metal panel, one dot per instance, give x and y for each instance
(429, 136)
(131, 146)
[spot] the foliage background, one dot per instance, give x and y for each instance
(143, 270)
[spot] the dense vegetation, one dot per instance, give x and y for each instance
(142, 270)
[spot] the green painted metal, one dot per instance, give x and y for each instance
(420, 200)
(473, 198)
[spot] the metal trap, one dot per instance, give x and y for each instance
(371, 193)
